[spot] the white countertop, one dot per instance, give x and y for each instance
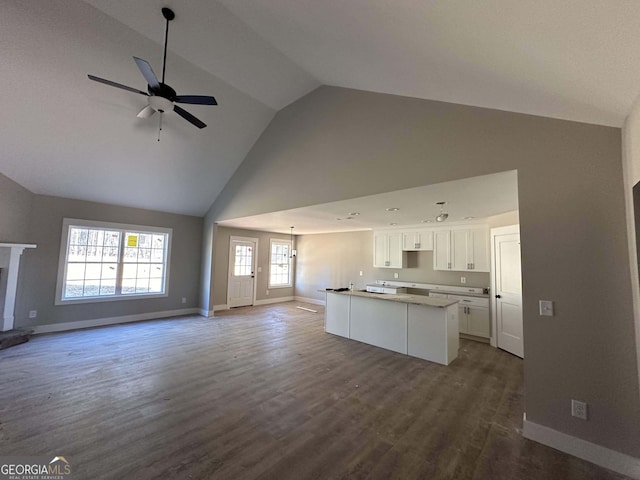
(400, 297)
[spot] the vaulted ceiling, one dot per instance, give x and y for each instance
(64, 135)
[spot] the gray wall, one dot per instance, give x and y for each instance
(221, 260)
(333, 260)
(15, 208)
(336, 143)
(39, 267)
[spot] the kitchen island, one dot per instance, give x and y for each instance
(416, 325)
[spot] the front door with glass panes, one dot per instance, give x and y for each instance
(242, 261)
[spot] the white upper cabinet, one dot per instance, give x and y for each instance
(461, 249)
(387, 250)
(417, 240)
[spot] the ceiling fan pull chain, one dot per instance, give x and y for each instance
(160, 126)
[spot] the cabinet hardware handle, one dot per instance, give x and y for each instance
(473, 266)
(416, 245)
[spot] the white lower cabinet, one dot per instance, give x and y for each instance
(474, 318)
(379, 323)
(337, 311)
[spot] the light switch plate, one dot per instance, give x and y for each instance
(546, 308)
(395, 275)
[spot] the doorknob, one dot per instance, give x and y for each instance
(498, 296)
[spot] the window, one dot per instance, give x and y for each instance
(280, 264)
(102, 261)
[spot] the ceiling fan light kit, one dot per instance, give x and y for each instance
(162, 98)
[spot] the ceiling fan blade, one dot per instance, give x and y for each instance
(146, 112)
(188, 117)
(196, 99)
(117, 85)
(147, 72)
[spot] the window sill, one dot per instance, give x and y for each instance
(274, 287)
(117, 298)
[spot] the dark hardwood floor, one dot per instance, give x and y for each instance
(264, 393)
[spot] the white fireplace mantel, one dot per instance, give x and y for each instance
(10, 261)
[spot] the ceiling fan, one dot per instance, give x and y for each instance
(162, 97)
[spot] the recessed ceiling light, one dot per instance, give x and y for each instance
(392, 209)
(393, 223)
(338, 219)
(469, 218)
(354, 214)
(348, 218)
(426, 221)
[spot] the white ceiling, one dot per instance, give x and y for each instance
(477, 197)
(64, 135)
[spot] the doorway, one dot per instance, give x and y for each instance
(241, 285)
(506, 290)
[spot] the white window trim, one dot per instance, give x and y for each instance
(284, 242)
(62, 261)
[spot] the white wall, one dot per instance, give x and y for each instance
(336, 143)
(631, 170)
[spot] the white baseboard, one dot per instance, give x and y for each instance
(602, 456)
(100, 322)
(315, 301)
(268, 301)
(206, 313)
(220, 307)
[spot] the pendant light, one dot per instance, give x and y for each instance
(443, 215)
(293, 251)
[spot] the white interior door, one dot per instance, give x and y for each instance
(507, 290)
(242, 261)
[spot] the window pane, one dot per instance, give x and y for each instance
(75, 271)
(91, 288)
(109, 271)
(129, 270)
(110, 254)
(144, 240)
(112, 239)
(157, 271)
(73, 289)
(144, 255)
(93, 271)
(108, 287)
(155, 285)
(130, 254)
(157, 255)
(77, 253)
(158, 241)
(94, 254)
(142, 285)
(128, 285)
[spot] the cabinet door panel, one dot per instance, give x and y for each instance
(410, 241)
(479, 249)
(441, 249)
(479, 322)
(459, 259)
(379, 250)
(395, 250)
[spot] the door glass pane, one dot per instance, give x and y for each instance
(243, 260)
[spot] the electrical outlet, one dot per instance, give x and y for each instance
(33, 313)
(579, 409)
(361, 273)
(267, 292)
(396, 275)
(546, 308)
(463, 279)
(184, 299)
